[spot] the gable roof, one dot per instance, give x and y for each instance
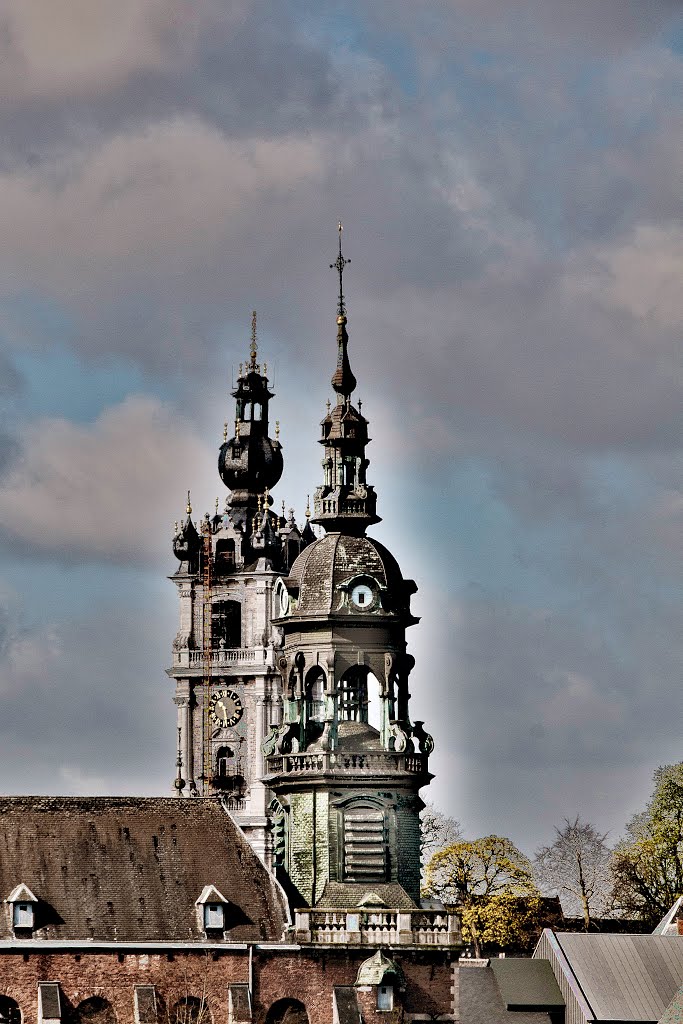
(349, 895)
(625, 977)
(130, 868)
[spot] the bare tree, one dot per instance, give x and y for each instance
(437, 831)
(577, 868)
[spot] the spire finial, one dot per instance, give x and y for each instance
(225, 432)
(189, 506)
(277, 430)
(340, 263)
(253, 347)
(216, 506)
(308, 506)
(237, 430)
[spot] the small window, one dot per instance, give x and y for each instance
(214, 916)
(257, 410)
(385, 997)
(22, 916)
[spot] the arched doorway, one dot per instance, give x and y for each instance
(95, 1010)
(9, 1011)
(287, 1011)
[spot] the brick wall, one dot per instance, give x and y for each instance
(307, 975)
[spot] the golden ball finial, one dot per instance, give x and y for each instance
(277, 430)
(189, 506)
(225, 432)
(308, 506)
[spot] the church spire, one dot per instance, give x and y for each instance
(345, 503)
(343, 380)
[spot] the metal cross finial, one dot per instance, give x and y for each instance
(339, 264)
(253, 347)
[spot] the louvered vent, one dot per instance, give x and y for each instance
(364, 845)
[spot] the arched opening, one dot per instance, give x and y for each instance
(353, 695)
(287, 1011)
(190, 1010)
(374, 703)
(315, 702)
(225, 555)
(258, 411)
(226, 624)
(9, 1011)
(95, 1010)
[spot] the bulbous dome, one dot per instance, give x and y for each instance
(186, 543)
(327, 571)
(250, 463)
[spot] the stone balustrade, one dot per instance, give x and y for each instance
(377, 927)
(262, 657)
(326, 760)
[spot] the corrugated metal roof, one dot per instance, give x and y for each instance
(625, 977)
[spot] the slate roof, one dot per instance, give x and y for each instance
(625, 977)
(332, 560)
(347, 895)
(130, 869)
(481, 1001)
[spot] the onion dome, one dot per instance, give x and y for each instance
(347, 575)
(250, 461)
(187, 542)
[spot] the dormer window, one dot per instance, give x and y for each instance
(211, 911)
(22, 915)
(214, 916)
(22, 905)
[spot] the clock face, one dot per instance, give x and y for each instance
(362, 596)
(225, 707)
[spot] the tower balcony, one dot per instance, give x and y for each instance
(360, 763)
(377, 927)
(232, 659)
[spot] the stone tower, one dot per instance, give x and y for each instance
(346, 791)
(228, 688)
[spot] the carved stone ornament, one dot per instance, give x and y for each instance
(402, 741)
(424, 739)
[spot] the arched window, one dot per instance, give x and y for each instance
(225, 762)
(292, 552)
(287, 1011)
(190, 1010)
(226, 624)
(353, 695)
(95, 1010)
(9, 1011)
(225, 555)
(258, 411)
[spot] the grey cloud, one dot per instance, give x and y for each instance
(106, 491)
(98, 722)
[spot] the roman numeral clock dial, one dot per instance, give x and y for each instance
(225, 708)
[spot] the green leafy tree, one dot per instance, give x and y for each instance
(577, 867)
(483, 877)
(648, 862)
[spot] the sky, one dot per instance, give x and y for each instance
(508, 173)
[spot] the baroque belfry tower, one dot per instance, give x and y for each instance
(291, 663)
(228, 687)
(346, 764)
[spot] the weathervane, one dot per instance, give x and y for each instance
(340, 263)
(253, 347)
